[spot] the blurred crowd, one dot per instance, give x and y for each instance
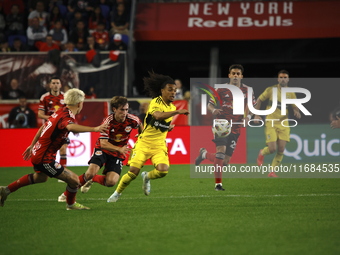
(66, 25)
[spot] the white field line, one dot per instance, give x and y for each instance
(181, 197)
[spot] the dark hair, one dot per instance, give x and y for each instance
(155, 83)
(117, 101)
(283, 71)
(236, 66)
(54, 78)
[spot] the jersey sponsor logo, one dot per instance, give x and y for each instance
(76, 148)
(118, 138)
(161, 125)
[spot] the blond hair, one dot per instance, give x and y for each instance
(74, 96)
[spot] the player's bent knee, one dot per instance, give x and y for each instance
(272, 150)
(110, 183)
(73, 182)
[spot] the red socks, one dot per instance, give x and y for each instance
(23, 181)
(99, 179)
(218, 163)
(210, 156)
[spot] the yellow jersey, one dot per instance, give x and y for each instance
(268, 94)
(156, 130)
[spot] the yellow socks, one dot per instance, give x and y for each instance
(277, 159)
(155, 174)
(265, 151)
(125, 181)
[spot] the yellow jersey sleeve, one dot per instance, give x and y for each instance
(157, 129)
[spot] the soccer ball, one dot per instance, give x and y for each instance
(221, 128)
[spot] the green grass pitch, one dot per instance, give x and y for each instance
(181, 216)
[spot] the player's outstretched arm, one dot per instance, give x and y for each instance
(164, 115)
(81, 129)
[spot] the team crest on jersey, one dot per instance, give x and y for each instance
(128, 129)
(57, 165)
(98, 153)
(62, 101)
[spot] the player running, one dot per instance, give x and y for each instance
(277, 135)
(50, 102)
(225, 146)
(151, 142)
(111, 147)
(47, 141)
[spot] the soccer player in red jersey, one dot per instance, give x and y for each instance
(225, 146)
(43, 149)
(111, 148)
(50, 102)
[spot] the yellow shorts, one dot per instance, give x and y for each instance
(142, 151)
(277, 132)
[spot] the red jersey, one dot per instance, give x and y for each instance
(52, 136)
(227, 106)
(118, 132)
(50, 104)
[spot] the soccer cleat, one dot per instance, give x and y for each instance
(218, 187)
(62, 198)
(76, 206)
(114, 197)
(146, 183)
(260, 159)
(200, 158)
(3, 195)
(272, 174)
(86, 187)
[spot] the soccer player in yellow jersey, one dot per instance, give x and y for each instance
(277, 132)
(151, 142)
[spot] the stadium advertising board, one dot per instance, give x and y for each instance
(81, 147)
(239, 20)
